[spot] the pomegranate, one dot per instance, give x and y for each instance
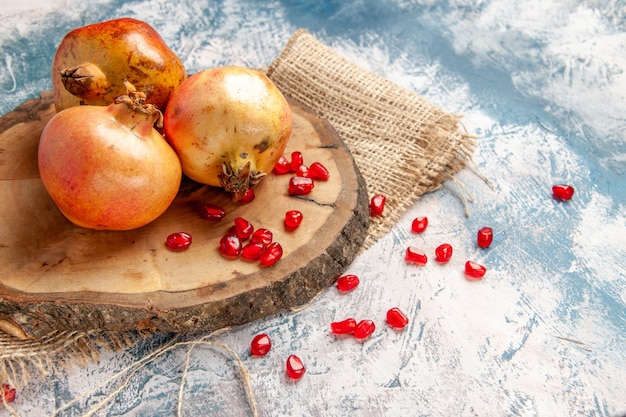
(92, 62)
(106, 167)
(229, 126)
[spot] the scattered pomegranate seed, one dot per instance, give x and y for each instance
(346, 326)
(363, 329)
(8, 393)
(212, 212)
(484, 237)
(474, 270)
(296, 160)
(396, 318)
(563, 191)
(248, 196)
(272, 254)
(293, 219)
(443, 253)
(295, 367)
(303, 171)
(282, 166)
(377, 205)
(300, 185)
(178, 241)
(230, 245)
(415, 255)
(319, 172)
(419, 224)
(264, 236)
(347, 282)
(243, 228)
(260, 345)
(252, 251)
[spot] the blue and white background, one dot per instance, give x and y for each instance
(542, 83)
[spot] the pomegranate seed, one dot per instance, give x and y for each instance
(377, 205)
(419, 224)
(8, 393)
(347, 282)
(248, 196)
(484, 237)
(474, 270)
(178, 241)
(303, 171)
(272, 254)
(282, 166)
(264, 236)
(296, 160)
(396, 318)
(212, 212)
(252, 251)
(295, 367)
(230, 245)
(415, 255)
(243, 228)
(363, 329)
(260, 345)
(319, 172)
(563, 191)
(300, 185)
(346, 326)
(293, 219)
(443, 253)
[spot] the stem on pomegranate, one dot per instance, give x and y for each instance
(238, 175)
(85, 81)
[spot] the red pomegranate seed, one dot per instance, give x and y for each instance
(272, 254)
(563, 191)
(396, 318)
(264, 236)
(300, 185)
(363, 329)
(377, 205)
(293, 219)
(252, 251)
(415, 255)
(260, 345)
(178, 241)
(419, 224)
(282, 166)
(443, 253)
(303, 171)
(248, 196)
(230, 245)
(212, 212)
(243, 228)
(346, 326)
(8, 393)
(347, 282)
(296, 160)
(474, 270)
(295, 367)
(319, 172)
(484, 237)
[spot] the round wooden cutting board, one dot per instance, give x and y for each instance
(57, 276)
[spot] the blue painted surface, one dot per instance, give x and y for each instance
(543, 84)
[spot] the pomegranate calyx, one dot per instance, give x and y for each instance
(238, 180)
(85, 81)
(135, 101)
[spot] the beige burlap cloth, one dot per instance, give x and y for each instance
(403, 145)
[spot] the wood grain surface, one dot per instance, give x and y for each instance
(58, 276)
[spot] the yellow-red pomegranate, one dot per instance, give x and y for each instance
(92, 63)
(107, 167)
(229, 125)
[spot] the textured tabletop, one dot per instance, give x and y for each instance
(542, 84)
